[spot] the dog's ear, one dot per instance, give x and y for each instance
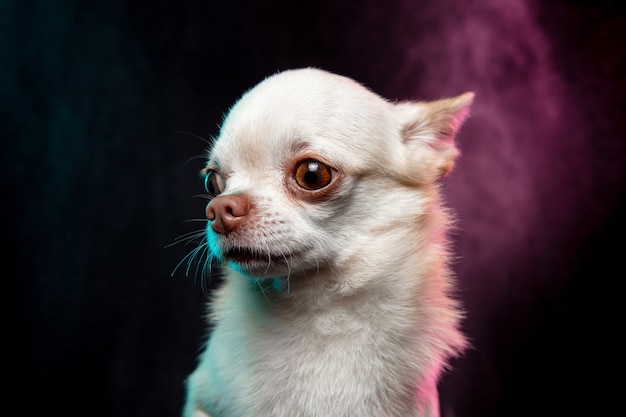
(427, 131)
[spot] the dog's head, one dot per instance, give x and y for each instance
(311, 170)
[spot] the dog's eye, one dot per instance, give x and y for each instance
(312, 175)
(213, 183)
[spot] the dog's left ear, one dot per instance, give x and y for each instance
(428, 130)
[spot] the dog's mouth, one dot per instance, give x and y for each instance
(244, 255)
(254, 257)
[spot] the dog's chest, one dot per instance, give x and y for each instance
(323, 361)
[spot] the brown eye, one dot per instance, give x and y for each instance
(312, 175)
(213, 183)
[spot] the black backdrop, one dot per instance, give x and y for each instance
(101, 108)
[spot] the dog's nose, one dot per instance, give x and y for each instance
(227, 212)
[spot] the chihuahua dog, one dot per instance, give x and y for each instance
(326, 217)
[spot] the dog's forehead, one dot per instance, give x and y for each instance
(311, 107)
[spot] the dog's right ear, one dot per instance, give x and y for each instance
(427, 131)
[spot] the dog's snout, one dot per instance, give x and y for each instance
(227, 212)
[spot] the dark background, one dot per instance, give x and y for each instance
(95, 100)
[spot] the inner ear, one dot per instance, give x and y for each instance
(428, 132)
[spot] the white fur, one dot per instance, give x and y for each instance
(358, 321)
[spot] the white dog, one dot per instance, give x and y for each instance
(326, 217)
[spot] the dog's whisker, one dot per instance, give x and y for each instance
(269, 258)
(204, 196)
(207, 141)
(197, 238)
(201, 261)
(288, 280)
(260, 283)
(189, 257)
(193, 259)
(190, 236)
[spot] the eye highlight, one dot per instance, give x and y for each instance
(311, 174)
(213, 183)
